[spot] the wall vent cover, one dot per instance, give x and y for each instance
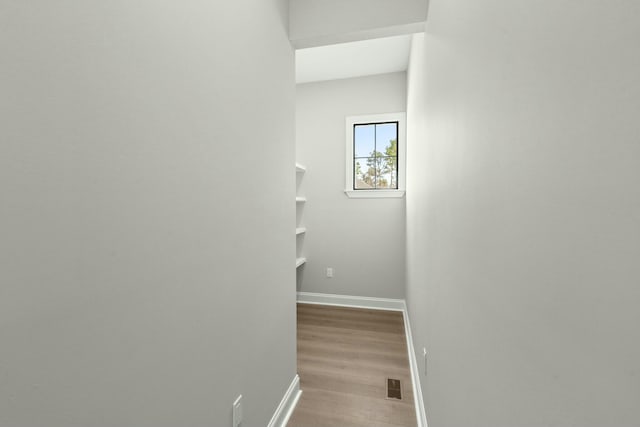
(394, 389)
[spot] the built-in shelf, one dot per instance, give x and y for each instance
(300, 230)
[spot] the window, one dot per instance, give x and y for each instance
(375, 155)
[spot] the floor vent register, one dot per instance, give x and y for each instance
(394, 389)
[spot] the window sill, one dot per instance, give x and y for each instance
(374, 194)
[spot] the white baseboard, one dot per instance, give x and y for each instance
(378, 304)
(421, 414)
(287, 405)
(351, 301)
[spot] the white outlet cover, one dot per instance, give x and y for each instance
(424, 354)
(237, 411)
(329, 272)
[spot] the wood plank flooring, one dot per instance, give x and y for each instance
(345, 356)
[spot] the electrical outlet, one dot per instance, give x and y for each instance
(237, 412)
(329, 272)
(424, 355)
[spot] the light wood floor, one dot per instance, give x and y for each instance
(345, 356)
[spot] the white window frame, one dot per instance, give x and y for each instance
(401, 118)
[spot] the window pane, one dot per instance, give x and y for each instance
(364, 173)
(363, 140)
(387, 168)
(386, 139)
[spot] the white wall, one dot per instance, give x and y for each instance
(362, 239)
(321, 22)
(146, 269)
(523, 212)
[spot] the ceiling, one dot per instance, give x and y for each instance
(354, 59)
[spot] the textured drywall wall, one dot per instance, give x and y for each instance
(523, 212)
(146, 265)
(320, 22)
